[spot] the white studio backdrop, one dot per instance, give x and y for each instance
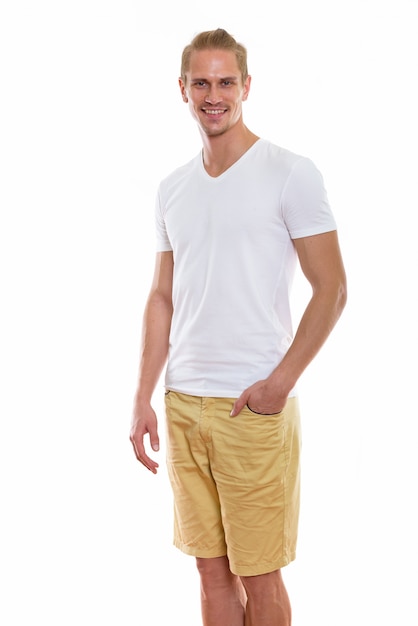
(91, 120)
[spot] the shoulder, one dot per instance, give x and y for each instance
(290, 170)
(277, 156)
(180, 174)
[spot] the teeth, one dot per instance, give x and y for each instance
(214, 111)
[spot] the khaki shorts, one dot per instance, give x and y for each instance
(236, 481)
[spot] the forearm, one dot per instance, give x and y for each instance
(154, 344)
(316, 324)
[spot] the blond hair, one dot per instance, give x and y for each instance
(218, 39)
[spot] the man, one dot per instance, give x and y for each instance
(231, 225)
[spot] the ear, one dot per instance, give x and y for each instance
(183, 90)
(246, 90)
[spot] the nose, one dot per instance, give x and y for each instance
(213, 95)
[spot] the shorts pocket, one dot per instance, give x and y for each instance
(266, 414)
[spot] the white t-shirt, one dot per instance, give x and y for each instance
(234, 262)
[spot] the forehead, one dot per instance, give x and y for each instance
(213, 62)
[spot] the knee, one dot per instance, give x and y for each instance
(212, 568)
(214, 572)
(263, 586)
(268, 590)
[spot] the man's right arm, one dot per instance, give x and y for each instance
(154, 350)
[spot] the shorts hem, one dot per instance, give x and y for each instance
(204, 553)
(238, 570)
(261, 568)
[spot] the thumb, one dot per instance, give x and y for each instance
(154, 439)
(239, 404)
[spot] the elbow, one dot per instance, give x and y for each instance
(342, 295)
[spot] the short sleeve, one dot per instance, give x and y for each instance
(162, 241)
(305, 207)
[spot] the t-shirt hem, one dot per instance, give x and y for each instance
(213, 393)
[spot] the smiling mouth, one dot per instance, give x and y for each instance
(214, 111)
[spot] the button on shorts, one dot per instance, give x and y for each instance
(235, 480)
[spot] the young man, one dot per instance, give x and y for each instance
(231, 225)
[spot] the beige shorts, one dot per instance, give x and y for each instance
(235, 480)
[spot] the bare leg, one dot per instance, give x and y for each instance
(268, 603)
(222, 593)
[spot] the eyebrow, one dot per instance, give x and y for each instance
(197, 79)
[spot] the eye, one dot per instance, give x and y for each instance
(227, 83)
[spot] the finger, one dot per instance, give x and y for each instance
(143, 457)
(151, 465)
(138, 447)
(239, 404)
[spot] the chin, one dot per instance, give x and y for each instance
(214, 132)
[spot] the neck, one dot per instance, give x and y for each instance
(222, 151)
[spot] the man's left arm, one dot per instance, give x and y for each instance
(321, 262)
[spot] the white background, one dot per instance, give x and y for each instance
(91, 120)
